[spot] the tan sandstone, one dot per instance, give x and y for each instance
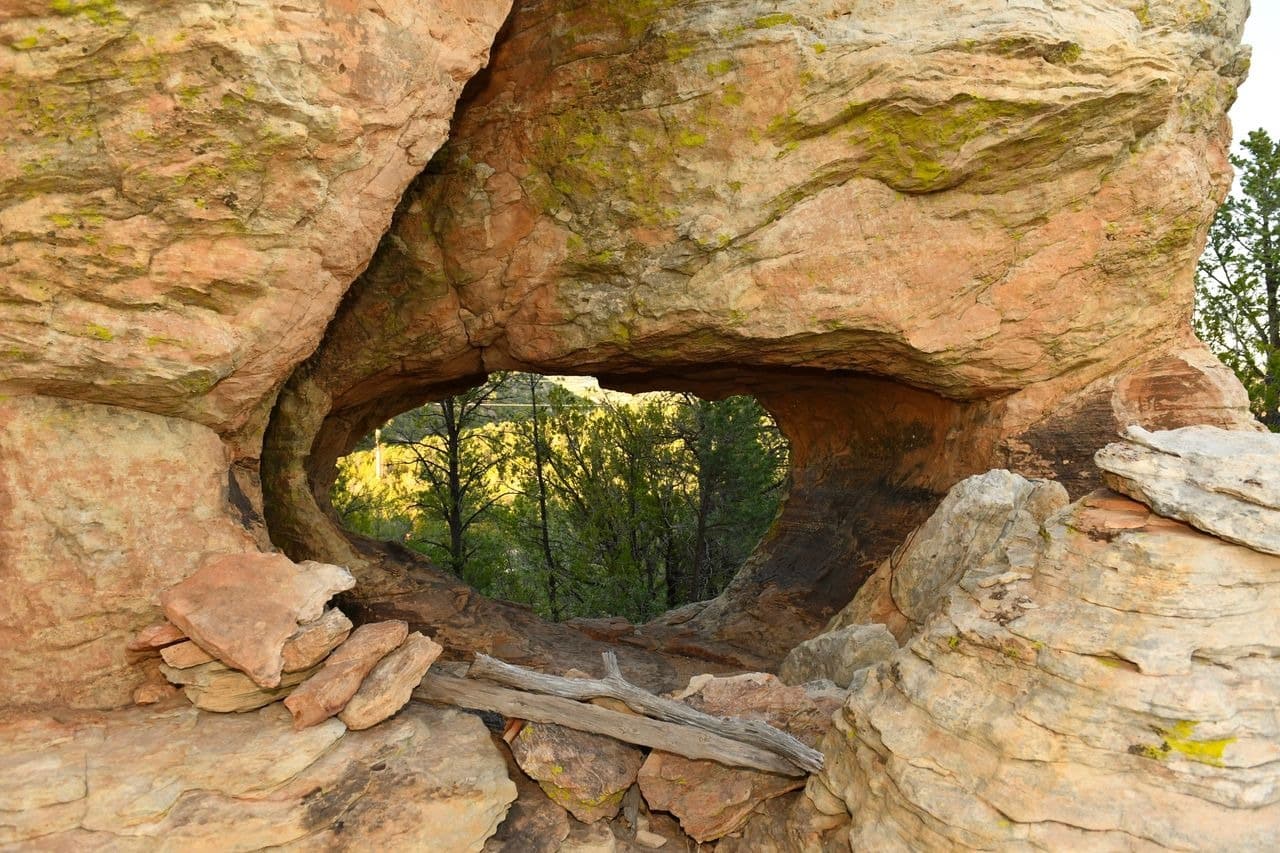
(243, 608)
(387, 688)
(329, 690)
(182, 779)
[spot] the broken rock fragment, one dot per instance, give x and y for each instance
(156, 636)
(214, 686)
(837, 655)
(314, 640)
(586, 773)
(389, 686)
(243, 608)
(325, 693)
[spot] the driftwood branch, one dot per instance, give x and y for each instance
(614, 686)
(668, 737)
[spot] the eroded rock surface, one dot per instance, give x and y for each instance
(1224, 483)
(998, 208)
(173, 780)
(188, 189)
(1107, 696)
(588, 774)
(837, 655)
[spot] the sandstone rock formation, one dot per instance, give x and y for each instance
(955, 237)
(244, 608)
(587, 774)
(836, 655)
(186, 192)
(1224, 483)
(934, 238)
(214, 686)
(1106, 696)
(428, 780)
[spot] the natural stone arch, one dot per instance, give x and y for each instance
(982, 264)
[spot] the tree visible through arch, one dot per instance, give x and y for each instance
(578, 504)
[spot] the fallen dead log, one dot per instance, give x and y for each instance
(614, 686)
(668, 737)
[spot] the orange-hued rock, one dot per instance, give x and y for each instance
(387, 688)
(156, 636)
(188, 191)
(243, 608)
(955, 240)
(329, 690)
(313, 640)
(101, 508)
(710, 799)
(185, 655)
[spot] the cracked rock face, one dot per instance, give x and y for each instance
(1109, 694)
(188, 189)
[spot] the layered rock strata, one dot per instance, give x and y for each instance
(996, 215)
(429, 780)
(1102, 682)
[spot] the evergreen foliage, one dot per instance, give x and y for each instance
(577, 506)
(1238, 280)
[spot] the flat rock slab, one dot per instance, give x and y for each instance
(328, 691)
(182, 779)
(314, 640)
(243, 608)
(586, 773)
(1223, 482)
(388, 687)
(214, 686)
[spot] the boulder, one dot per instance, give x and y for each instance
(837, 655)
(337, 681)
(534, 824)
(243, 608)
(1103, 692)
(710, 799)
(182, 779)
(1226, 483)
(387, 688)
(588, 774)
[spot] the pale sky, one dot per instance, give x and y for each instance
(1258, 104)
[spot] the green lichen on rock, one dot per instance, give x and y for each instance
(100, 12)
(1177, 739)
(779, 19)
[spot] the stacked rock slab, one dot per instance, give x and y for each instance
(1114, 689)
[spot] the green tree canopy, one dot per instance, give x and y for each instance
(1238, 280)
